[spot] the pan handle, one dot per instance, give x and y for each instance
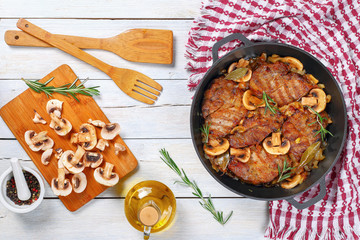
(312, 201)
(227, 39)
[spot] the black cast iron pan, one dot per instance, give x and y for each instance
(336, 108)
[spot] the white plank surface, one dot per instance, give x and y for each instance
(146, 129)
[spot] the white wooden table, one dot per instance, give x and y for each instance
(146, 129)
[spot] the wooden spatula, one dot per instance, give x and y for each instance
(133, 83)
(137, 45)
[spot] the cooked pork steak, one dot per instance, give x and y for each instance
(257, 125)
(261, 168)
(279, 83)
(301, 133)
(221, 92)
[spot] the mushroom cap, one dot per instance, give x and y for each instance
(54, 106)
(61, 130)
(58, 191)
(218, 148)
(320, 96)
(47, 144)
(250, 101)
(282, 149)
(66, 158)
(79, 182)
(92, 159)
(110, 131)
(38, 119)
(99, 177)
(242, 155)
(84, 128)
(45, 157)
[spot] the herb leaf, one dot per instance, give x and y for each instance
(205, 203)
(66, 90)
(205, 129)
(268, 103)
(320, 121)
(237, 74)
(284, 172)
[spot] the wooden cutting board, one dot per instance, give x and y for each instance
(18, 115)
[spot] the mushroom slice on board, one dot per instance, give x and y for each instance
(102, 143)
(110, 131)
(54, 106)
(97, 123)
(61, 126)
(60, 185)
(71, 160)
(39, 141)
(119, 148)
(46, 156)
(58, 153)
(61, 165)
(275, 145)
(86, 137)
(38, 119)
(79, 182)
(106, 176)
(92, 159)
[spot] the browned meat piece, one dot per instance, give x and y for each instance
(257, 125)
(279, 83)
(261, 168)
(220, 92)
(224, 120)
(300, 134)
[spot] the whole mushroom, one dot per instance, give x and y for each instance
(106, 176)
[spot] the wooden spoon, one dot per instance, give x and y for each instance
(133, 83)
(137, 45)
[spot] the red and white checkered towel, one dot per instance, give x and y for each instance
(329, 30)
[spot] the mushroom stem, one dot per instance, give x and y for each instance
(41, 136)
(77, 156)
(108, 170)
(57, 120)
(61, 178)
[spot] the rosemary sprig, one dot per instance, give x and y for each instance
(205, 203)
(66, 89)
(320, 121)
(267, 101)
(284, 172)
(205, 129)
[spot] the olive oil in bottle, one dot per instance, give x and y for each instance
(150, 206)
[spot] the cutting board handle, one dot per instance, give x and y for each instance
(61, 44)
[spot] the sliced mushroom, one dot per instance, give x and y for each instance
(119, 148)
(61, 126)
(102, 143)
(92, 159)
(79, 182)
(97, 123)
(251, 102)
(60, 185)
(110, 131)
(106, 176)
(61, 165)
(293, 62)
(316, 100)
(275, 145)
(38, 119)
(215, 147)
(58, 152)
(39, 141)
(54, 106)
(46, 156)
(292, 182)
(242, 155)
(90, 132)
(72, 161)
